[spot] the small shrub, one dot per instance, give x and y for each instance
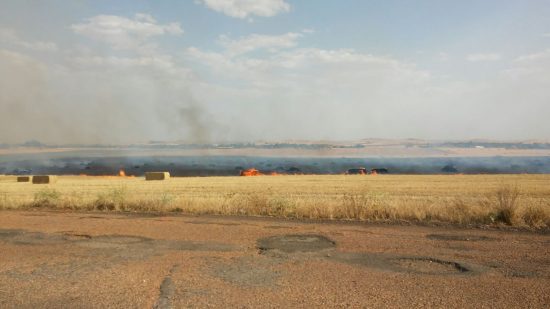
(4, 201)
(46, 198)
(255, 204)
(460, 211)
(507, 204)
(536, 217)
(353, 206)
(166, 199)
(468, 211)
(103, 203)
(319, 211)
(280, 206)
(113, 200)
(361, 206)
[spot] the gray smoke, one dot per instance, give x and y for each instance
(192, 117)
(79, 104)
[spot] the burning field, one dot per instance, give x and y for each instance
(512, 200)
(137, 163)
(364, 189)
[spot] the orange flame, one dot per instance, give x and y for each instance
(251, 172)
(121, 173)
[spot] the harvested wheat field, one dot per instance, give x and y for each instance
(516, 200)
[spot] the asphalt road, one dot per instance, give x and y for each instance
(90, 260)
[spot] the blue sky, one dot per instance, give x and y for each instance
(239, 70)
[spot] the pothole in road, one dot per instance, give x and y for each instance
(112, 241)
(75, 236)
(406, 264)
(120, 239)
(427, 265)
(296, 243)
(451, 237)
(9, 233)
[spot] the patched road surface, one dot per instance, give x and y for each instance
(91, 260)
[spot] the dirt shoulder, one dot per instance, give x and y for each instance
(73, 259)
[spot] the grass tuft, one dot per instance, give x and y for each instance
(507, 204)
(537, 216)
(46, 198)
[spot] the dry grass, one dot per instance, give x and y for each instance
(516, 200)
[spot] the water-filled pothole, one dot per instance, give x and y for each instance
(296, 243)
(427, 265)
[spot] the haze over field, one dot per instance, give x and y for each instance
(216, 71)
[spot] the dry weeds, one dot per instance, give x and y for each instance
(515, 200)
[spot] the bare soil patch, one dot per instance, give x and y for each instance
(213, 223)
(451, 237)
(248, 271)
(56, 260)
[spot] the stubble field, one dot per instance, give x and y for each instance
(512, 200)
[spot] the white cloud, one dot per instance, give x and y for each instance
(344, 93)
(535, 56)
(533, 67)
(315, 93)
(347, 59)
(546, 35)
(442, 56)
(245, 8)
(124, 33)
(484, 57)
(258, 41)
(10, 37)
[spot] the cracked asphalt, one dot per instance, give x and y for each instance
(109, 260)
